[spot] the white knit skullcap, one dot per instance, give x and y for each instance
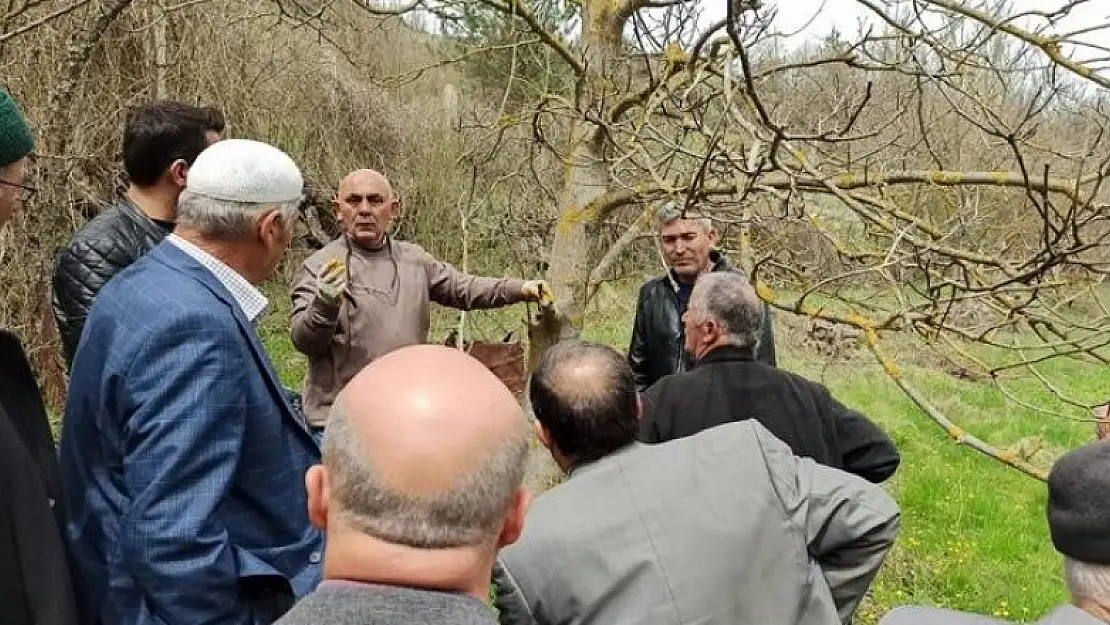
(241, 170)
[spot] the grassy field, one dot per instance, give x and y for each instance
(973, 531)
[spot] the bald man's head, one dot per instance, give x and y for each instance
(360, 178)
(425, 448)
(584, 396)
(365, 206)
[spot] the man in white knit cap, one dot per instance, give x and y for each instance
(182, 461)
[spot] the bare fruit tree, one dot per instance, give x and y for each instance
(932, 180)
(935, 177)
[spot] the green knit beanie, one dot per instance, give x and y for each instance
(15, 135)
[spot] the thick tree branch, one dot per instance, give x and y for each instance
(613, 254)
(848, 181)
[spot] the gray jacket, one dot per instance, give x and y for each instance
(352, 603)
(912, 615)
(725, 527)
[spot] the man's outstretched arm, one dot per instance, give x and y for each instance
(448, 286)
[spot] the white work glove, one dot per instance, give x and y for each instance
(332, 281)
(538, 291)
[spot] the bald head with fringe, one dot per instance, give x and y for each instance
(425, 448)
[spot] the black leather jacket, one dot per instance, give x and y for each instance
(657, 347)
(105, 246)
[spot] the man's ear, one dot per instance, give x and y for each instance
(712, 234)
(270, 226)
(319, 495)
(514, 520)
(712, 332)
(543, 435)
(179, 172)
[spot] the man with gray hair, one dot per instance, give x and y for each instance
(721, 528)
(420, 488)
(729, 384)
(182, 460)
(1079, 523)
(687, 240)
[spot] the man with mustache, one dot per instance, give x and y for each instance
(366, 294)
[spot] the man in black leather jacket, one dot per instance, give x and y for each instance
(656, 350)
(161, 140)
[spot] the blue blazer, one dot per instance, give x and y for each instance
(182, 462)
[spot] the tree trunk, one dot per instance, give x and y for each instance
(79, 50)
(161, 51)
(575, 249)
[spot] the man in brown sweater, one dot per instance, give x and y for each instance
(366, 294)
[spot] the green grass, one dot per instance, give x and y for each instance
(973, 530)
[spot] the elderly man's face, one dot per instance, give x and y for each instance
(365, 207)
(686, 245)
(12, 192)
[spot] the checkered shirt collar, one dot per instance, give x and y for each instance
(251, 301)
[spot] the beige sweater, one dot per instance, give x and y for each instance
(386, 307)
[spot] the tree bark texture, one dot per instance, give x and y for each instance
(575, 248)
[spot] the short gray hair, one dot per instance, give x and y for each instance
(728, 299)
(1087, 579)
(226, 219)
(670, 212)
(469, 514)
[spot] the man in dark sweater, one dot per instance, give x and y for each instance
(420, 488)
(729, 384)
